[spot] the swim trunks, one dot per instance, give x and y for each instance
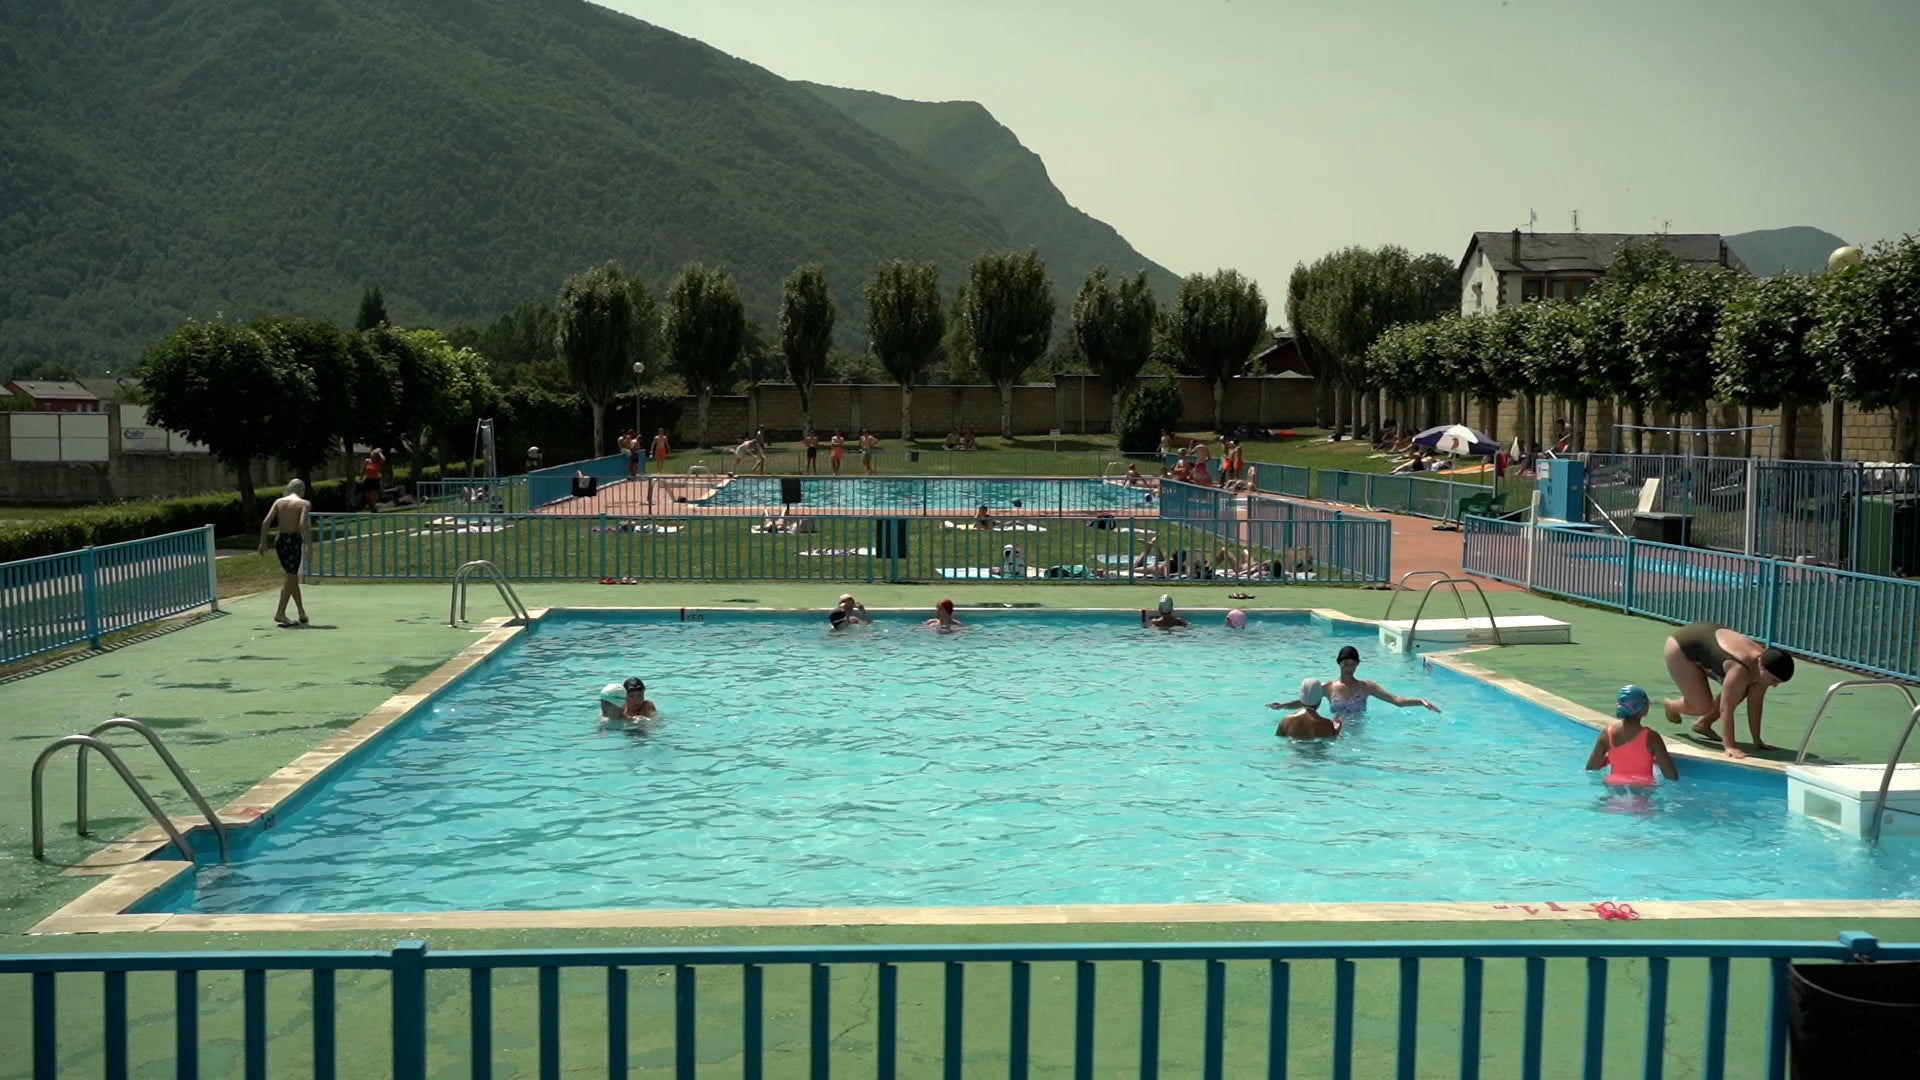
(287, 546)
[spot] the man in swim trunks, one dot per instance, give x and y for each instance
(288, 517)
(813, 452)
(867, 444)
(1704, 652)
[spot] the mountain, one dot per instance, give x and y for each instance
(963, 140)
(1798, 249)
(169, 159)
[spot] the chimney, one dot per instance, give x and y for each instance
(1723, 254)
(1516, 245)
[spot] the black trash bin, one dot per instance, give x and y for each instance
(1854, 1021)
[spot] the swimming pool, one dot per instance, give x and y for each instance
(923, 494)
(1035, 758)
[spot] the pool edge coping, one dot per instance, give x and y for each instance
(129, 874)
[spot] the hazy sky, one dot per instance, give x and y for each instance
(1256, 133)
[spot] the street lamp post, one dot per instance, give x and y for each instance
(639, 429)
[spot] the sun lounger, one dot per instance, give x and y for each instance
(1005, 526)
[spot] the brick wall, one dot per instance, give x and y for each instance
(1868, 436)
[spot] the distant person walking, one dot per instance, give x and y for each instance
(289, 517)
(660, 450)
(370, 472)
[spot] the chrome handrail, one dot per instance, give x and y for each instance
(457, 603)
(1410, 575)
(1413, 628)
(139, 792)
(1849, 684)
(1886, 777)
(166, 757)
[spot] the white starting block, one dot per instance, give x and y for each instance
(1514, 630)
(1843, 796)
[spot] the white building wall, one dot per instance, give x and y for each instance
(1479, 272)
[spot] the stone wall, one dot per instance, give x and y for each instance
(1867, 436)
(1073, 404)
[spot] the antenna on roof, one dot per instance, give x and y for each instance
(1666, 226)
(1531, 218)
(1576, 221)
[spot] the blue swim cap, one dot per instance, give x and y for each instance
(1631, 701)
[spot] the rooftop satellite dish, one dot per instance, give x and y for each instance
(1843, 258)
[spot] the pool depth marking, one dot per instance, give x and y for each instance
(131, 874)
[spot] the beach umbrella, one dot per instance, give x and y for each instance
(1457, 439)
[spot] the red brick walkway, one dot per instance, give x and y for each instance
(1418, 546)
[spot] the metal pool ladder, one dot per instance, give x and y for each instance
(92, 741)
(457, 604)
(1443, 578)
(1899, 747)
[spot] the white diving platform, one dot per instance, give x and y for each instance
(1843, 796)
(1395, 634)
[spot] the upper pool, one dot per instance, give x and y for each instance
(1035, 758)
(921, 494)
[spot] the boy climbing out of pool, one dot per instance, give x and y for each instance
(1702, 653)
(1165, 618)
(1630, 750)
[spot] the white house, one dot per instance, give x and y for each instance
(1503, 269)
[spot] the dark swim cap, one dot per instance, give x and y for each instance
(634, 685)
(1777, 663)
(1347, 652)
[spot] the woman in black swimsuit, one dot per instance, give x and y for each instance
(1704, 652)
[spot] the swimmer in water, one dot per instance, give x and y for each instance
(943, 619)
(1306, 722)
(1165, 619)
(626, 702)
(1630, 749)
(848, 612)
(1347, 695)
(1236, 619)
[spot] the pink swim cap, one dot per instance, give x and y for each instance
(1237, 619)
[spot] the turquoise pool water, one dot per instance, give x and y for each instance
(1034, 758)
(920, 494)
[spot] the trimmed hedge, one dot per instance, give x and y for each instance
(113, 524)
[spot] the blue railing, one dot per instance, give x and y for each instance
(555, 482)
(774, 1006)
(1402, 493)
(1276, 479)
(79, 597)
(1854, 620)
(497, 494)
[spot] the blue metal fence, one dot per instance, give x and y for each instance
(1276, 479)
(1855, 620)
(1405, 493)
(1297, 540)
(686, 988)
(555, 482)
(79, 597)
(497, 494)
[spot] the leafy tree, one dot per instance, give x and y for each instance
(1869, 329)
(1499, 369)
(416, 386)
(520, 344)
(1762, 352)
(1669, 327)
(373, 310)
(320, 353)
(1435, 287)
(1314, 353)
(463, 393)
(1216, 321)
(644, 319)
(373, 388)
(1555, 336)
(1009, 315)
(956, 347)
(1114, 329)
(1157, 407)
(593, 337)
(905, 326)
(225, 387)
(706, 326)
(806, 332)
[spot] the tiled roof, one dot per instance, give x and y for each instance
(1552, 252)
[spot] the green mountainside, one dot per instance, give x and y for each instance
(965, 141)
(168, 159)
(1797, 249)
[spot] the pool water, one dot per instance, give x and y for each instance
(1033, 758)
(919, 494)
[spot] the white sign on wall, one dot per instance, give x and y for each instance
(58, 436)
(137, 436)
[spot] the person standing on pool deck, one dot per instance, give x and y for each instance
(839, 443)
(1701, 652)
(1631, 750)
(813, 452)
(1347, 695)
(289, 518)
(660, 450)
(867, 443)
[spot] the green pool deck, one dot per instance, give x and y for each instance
(237, 698)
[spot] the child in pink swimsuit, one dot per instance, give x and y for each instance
(1627, 749)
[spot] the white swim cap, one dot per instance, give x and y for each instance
(1312, 692)
(614, 693)
(1237, 619)
(1166, 602)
